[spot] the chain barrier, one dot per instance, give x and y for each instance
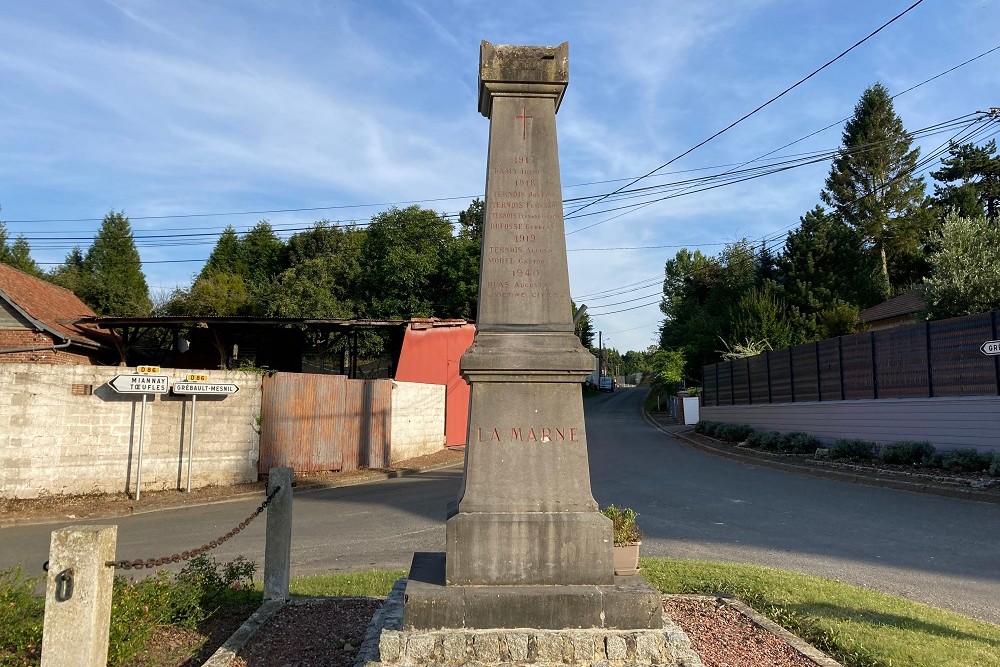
(139, 564)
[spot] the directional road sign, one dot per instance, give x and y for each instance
(203, 388)
(140, 384)
(991, 347)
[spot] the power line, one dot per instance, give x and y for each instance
(644, 305)
(765, 104)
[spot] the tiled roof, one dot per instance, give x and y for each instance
(907, 303)
(55, 307)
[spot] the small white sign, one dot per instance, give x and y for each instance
(991, 347)
(140, 384)
(217, 388)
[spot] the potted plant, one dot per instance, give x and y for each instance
(628, 537)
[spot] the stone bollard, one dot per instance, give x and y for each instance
(278, 535)
(78, 597)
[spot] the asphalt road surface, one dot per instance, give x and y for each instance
(942, 551)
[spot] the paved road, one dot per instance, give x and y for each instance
(939, 550)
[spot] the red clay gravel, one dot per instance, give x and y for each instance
(723, 637)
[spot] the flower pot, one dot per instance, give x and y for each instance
(626, 558)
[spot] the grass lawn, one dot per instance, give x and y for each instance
(859, 627)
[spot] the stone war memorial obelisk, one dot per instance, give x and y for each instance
(527, 576)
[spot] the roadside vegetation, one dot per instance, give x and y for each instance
(906, 453)
(194, 611)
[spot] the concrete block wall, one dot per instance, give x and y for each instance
(947, 423)
(418, 413)
(63, 430)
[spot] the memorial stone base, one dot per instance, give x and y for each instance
(388, 642)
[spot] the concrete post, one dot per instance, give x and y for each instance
(278, 536)
(78, 597)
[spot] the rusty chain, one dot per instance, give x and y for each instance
(138, 564)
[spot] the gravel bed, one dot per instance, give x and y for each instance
(723, 637)
(311, 633)
(328, 632)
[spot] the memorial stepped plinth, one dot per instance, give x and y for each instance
(388, 643)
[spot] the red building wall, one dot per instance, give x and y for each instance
(431, 355)
(14, 338)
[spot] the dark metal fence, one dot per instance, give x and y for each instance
(926, 359)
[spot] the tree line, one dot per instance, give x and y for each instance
(875, 234)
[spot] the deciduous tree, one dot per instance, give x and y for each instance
(965, 276)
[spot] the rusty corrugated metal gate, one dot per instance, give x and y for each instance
(324, 422)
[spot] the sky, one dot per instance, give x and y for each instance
(169, 111)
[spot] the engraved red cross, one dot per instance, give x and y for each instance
(523, 117)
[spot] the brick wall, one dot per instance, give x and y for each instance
(13, 338)
(63, 430)
(417, 419)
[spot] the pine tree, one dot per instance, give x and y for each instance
(871, 185)
(226, 256)
(824, 266)
(971, 177)
(20, 257)
(113, 283)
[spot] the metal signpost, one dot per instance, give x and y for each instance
(199, 385)
(146, 381)
(990, 348)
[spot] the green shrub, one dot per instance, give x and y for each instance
(907, 452)
(700, 426)
(853, 449)
(965, 459)
(754, 439)
(711, 427)
(800, 443)
(772, 441)
(733, 432)
(626, 530)
(21, 614)
(139, 606)
(232, 580)
(995, 465)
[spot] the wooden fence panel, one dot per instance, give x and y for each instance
(958, 367)
(856, 359)
(758, 378)
(829, 369)
(741, 384)
(804, 372)
(781, 376)
(725, 388)
(710, 395)
(901, 362)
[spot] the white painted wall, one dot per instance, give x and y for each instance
(947, 423)
(417, 419)
(54, 441)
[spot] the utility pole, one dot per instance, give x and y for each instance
(600, 358)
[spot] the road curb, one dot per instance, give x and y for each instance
(856, 477)
(296, 489)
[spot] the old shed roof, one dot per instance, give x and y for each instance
(50, 307)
